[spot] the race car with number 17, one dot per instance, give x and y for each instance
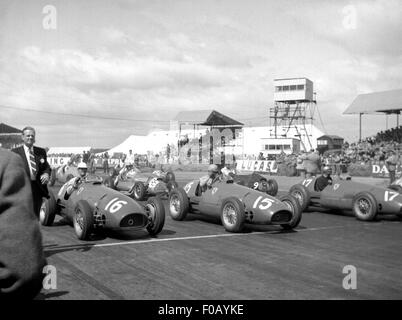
(366, 201)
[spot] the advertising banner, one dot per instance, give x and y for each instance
(257, 165)
(381, 171)
(55, 162)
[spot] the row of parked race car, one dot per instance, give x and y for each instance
(116, 203)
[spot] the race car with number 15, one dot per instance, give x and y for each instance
(235, 205)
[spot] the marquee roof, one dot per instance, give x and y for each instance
(372, 103)
(206, 118)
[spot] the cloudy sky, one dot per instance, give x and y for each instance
(135, 64)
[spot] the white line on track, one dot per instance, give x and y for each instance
(220, 235)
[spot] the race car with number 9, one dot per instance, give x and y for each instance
(94, 207)
(235, 204)
(140, 185)
(366, 201)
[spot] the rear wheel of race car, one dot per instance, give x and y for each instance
(172, 185)
(178, 204)
(83, 220)
(69, 177)
(272, 187)
(302, 195)
(365, 206)
(52, 177)
(232, 215)
(109, 183)
(156, 211)
(139, 191)
(294, 206)
(47, 211)
(170, 176)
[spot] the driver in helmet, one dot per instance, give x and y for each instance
(229, 171)
(75, 182)
(324, 180)
(213, 176)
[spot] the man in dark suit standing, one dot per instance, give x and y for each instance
(36, 166)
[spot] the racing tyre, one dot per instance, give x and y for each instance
(47, 211)
(295, 208)
(83, 220)
(172, 185)
(52, 177)
(170, 176)
(109, 183)
(178, 204)
(232, 215)
(156, 215)
(272, 187)
(365, 206)
(69, 177)
(139, 191)
(302, 194)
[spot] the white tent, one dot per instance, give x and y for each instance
(139, 145)
(67, 150)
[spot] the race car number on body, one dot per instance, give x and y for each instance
(115, 205)
(153, 182)
(256, 184)
(188, 186)
(390, 195)
(263, 203)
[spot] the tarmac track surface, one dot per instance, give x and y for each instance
(197, 259)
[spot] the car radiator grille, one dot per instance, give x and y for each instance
(133, 220)
(281, 216)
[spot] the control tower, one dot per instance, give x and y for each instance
(293, 111)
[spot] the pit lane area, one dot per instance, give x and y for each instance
(197, 259)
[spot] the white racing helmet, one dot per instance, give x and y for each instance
(82, 165)
(213, 168)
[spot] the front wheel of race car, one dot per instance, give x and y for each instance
(232, 215)
(83, 220)
(139, 191)
(47, 211)
(302, 195)
(365, 206)
(156, 211)
(272, 187)
(109, 183)
(294, 206)
(178, 204)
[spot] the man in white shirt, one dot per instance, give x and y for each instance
(36, 166)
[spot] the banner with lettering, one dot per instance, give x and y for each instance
(381, 171)
(56, 162)
(257, 165)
